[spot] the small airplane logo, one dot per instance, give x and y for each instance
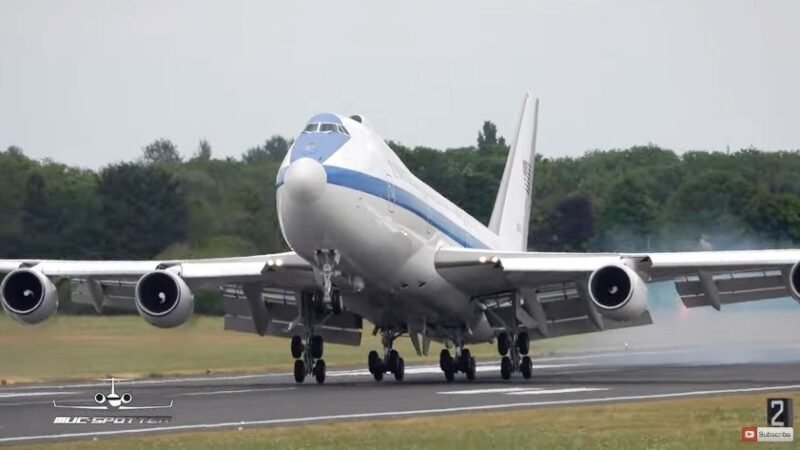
(112, 400)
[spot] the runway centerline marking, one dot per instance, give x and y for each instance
(5, 395)
(297, 420)
(522, 391)
(556, 391)
(235, 391)
(485, 391)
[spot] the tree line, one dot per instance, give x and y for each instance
(166, 205)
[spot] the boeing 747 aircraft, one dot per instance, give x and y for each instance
(371, 241)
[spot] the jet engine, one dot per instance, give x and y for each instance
(164, 299)
(29, 296)
(618, 292)
(793, 281)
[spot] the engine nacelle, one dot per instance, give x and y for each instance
(618, 292)
(164, 299)
(793, 281)
(29, 296)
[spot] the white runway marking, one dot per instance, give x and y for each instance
(239, 391)
(4, 395)
(556, 391)
(372, 415)
(484, 391)
(522, 391)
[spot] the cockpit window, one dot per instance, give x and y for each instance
(327, 127)
(317, 127)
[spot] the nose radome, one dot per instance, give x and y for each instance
(305, 180)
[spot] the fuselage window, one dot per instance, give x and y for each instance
(327, 127)
(343, 130)
(310, 128)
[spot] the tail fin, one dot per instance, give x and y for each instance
(512, 207)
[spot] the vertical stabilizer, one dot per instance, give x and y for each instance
(512, 207)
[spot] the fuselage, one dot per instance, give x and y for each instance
(341, 187)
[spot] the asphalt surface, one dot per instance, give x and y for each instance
(27, 413)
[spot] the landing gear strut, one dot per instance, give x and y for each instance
(463, 362)
(328, 260)
(514, 350)
(391, 361)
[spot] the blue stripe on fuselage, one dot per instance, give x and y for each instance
(380, 188)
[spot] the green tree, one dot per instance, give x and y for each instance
(203, 151)
(142, 210)
(274, 149)
(487, 137)
(161, 151)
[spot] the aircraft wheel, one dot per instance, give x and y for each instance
(505, 368)
(471, 369)
(401, 368)
(378, 375)
(297, 347)
(394, 357)
(449, 375)
(526, 367)
(319, 371)
(464, 360)
(316, 346)
(503, 343)
(299, 370)
(374, 362)
(445, 360)
(523, 343)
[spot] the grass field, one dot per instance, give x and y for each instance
(704, 423)
(77, 347)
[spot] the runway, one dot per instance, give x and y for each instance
(27, 413)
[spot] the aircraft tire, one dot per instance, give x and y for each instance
(299, 371)
(297, 347)
(319, 371)
(505, 368)
(526, 367)
(401, 369)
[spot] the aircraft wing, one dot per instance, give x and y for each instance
(555, 285)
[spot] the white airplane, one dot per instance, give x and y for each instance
(372, 241)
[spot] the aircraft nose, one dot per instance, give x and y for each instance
(305, 180)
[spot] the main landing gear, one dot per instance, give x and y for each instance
(308, 358)
(463, 362)
(391, 361)
(514, 350)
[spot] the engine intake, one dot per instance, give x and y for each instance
(29, 296)
(794, 281)
(164, 299)
(618, 292)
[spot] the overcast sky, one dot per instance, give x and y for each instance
(92, 82)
